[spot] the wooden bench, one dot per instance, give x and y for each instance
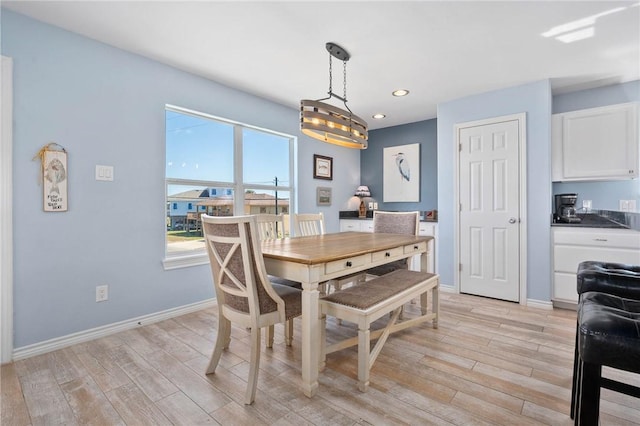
(365, 303)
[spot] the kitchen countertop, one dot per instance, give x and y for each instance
(353, 214)
(605, 219)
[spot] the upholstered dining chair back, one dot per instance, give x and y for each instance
(396, 222)
(270, 226)
(245, 295)
(309, 224)
(239, 274)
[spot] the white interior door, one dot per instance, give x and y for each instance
(489, 219)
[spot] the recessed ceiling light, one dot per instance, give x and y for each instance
(400, 92)
(378, 116)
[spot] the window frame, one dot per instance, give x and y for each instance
(199, 257)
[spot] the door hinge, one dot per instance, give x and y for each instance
(460, 267)
(459, 206)
(460, 147)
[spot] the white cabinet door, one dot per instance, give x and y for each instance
(356, 225)
(347, 225)
(596, 144)
(366, 226)
(573, 246)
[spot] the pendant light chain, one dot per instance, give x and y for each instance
(344, 82)
(330, 76)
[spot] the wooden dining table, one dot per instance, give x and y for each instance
(315, 259)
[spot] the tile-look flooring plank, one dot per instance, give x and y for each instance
(489, 363)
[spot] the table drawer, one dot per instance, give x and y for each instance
(411, 248)
(345, 264)
(385, 254)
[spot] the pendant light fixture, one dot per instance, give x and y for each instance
(331, 124)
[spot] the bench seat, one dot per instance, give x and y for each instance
(365, 303)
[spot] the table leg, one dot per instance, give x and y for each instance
(310, 338)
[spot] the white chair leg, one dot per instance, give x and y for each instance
(424, 300)
(323, 342)
(288, 332)
(269, 336)
(435, 300)
(254, 366)
(224, 330)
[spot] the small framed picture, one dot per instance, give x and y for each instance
(322, 167)
(323, 196)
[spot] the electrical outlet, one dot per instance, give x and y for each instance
(102, 293)
(370, 205)
(631, 206)
(375, 206)
(586, 204)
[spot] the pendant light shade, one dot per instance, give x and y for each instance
(332, 124)
(329, 123)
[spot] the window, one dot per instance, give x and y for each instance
(221, 168)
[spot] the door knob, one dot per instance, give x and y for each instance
(512, 220)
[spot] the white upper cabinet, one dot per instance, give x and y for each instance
(595, 144)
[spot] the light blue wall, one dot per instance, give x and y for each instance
(535, 100)
(604, 195)
(106, 106)
(422, 132)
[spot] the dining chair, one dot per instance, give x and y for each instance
(244, 293)
(309, 224)
(394, 223)
(270, 226)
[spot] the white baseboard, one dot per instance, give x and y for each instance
(532, 303)
(541, 304)
(105, 330)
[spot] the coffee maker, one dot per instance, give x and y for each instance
(565, 211)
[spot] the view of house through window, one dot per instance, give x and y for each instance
(220, 168)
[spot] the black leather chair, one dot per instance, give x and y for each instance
(607, 334)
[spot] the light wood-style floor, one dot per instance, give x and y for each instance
(489, 363)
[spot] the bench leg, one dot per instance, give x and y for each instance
(435, 301)
(364, 358)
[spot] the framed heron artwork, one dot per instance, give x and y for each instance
(401, 173)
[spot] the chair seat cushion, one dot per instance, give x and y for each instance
(613, 278)
(292, 299)
(609, 331)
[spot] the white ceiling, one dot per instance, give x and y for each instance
(439, 50)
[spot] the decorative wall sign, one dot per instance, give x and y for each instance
(323, 196)
(322, 167)
(53, 171)
(401, 173)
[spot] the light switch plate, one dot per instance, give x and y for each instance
(104, 173)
